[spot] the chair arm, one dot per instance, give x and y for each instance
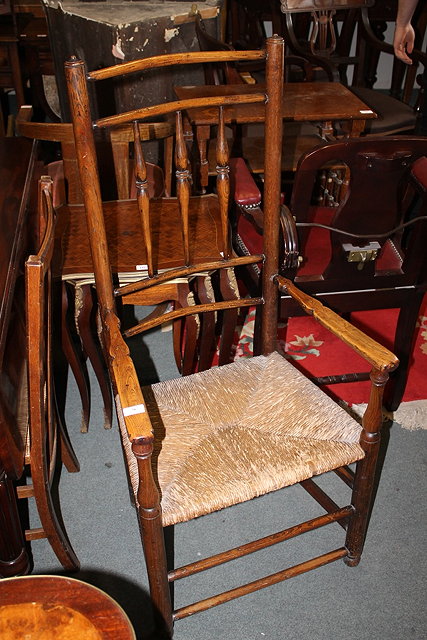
(245, 191)
(378, 356)
(289, 250)
(126, 384)
(247, 196)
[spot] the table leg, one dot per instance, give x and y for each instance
(14, 559)
(353, 128)
(327, 130)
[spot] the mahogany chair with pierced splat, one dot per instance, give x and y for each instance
(197, 444)
(363, 259)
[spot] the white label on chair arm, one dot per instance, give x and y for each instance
(366, 111)
(134, 410)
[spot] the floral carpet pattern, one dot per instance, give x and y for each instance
(317, 352)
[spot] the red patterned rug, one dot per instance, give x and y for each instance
(317, 352)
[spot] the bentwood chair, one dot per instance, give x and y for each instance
(197, 444)
(366, 253)
(47, 438)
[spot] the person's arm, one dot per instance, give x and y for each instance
(404, 34)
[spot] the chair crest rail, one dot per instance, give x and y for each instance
(154, 62)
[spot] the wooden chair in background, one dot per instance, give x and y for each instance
(47, 439)
(366, 253)
(200, 443)
(10, 67)
(247, 141)
(73, 261)
(324, 41)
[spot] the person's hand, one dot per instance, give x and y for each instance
(403, 42)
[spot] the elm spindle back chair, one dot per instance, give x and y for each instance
(48, 440)
(196, 444)
(362, 259)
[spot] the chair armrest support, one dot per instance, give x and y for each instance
(246, 192)
(289, 260)
(378, 356)
(126, 384)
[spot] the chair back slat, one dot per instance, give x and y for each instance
(163, 109)
(223, 182)
(155, 62)
(142, 196)
(183, 177)
(186, 234)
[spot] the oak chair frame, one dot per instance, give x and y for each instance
(131, 409)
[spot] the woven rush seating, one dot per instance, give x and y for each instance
(197, 451)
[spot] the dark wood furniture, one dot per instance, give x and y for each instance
(36, 58)
(51, 606)
(124, 31)
(10, 67)
(18, 171)
(370, 251)
(47, 442)
(200, 443)
(247, 141)
(329, 30)
(28, 437)
(326, 103)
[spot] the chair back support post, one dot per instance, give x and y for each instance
(273, 132)
(88, 168)
(47, 438)
(38, 333)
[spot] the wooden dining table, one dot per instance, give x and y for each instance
(324, 103)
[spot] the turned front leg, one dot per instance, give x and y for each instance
(365, 473)
(150, 520)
